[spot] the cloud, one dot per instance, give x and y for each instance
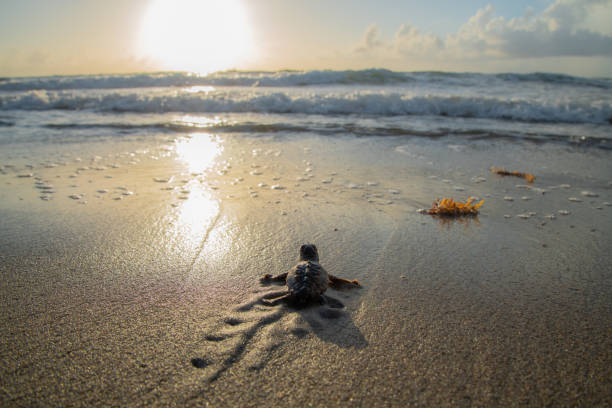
(371, 40)
(410, 41)
(556, 32)
(563, 29)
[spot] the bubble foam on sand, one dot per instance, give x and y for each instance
(574, 199)
(589, 194)
(508, 198)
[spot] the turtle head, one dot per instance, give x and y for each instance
(308, 252)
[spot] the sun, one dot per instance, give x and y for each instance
(196, 35)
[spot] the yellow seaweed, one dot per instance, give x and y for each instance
(503, 172)
(450, 207)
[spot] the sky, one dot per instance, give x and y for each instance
(66, 37)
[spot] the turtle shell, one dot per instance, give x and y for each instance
(307, 280)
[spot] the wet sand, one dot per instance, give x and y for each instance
(132, 277)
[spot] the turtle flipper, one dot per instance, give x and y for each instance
(278, 278)
(276, 301)
(337, 283)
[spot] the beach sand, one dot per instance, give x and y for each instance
(134, 281)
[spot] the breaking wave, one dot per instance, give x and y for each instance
(349, 103)
(381, 77)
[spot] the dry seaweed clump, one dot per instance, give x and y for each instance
(503, 172)
(452, 208)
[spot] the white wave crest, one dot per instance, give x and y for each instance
(348, 103)
(292, 79)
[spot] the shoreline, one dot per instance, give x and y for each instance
(108, 302)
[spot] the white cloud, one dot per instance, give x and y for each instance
(556, 32)
(410, 41)
(371, 39)
(567, 28)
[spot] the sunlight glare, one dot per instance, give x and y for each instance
(196, 35)
(196, 215)
(199, 151)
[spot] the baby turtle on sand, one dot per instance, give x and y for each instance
(306, 281)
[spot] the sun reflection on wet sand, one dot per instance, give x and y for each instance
(199, 151)
(199, 208)
(195, 216)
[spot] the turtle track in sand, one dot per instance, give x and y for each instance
(253, 333)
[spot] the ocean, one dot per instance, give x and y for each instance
(38, 112)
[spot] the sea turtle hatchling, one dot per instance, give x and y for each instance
(306, 281)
